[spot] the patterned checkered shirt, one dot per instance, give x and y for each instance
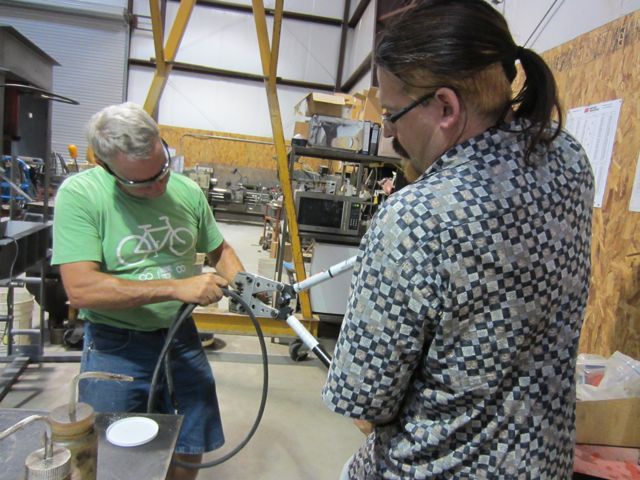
(462, 328)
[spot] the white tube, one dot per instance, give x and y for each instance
(304, 334)
(330, 272)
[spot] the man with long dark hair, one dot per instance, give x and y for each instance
(457, 351)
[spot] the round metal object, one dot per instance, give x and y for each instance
(58, 467)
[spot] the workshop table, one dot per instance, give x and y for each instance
(149, 461)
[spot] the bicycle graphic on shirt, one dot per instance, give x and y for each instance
(137, 248)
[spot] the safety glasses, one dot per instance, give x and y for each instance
(166, 168)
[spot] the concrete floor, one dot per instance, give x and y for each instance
(298, 438)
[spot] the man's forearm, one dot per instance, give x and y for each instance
(227, 263)
(103, 291)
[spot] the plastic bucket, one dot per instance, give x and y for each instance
(22, 312)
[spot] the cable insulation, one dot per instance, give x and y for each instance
(184, 313)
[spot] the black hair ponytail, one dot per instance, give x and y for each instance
(537, 100)
(448, 41)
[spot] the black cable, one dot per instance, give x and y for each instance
(169, 378)
(540, 23)
(177, 322)
(183, 313)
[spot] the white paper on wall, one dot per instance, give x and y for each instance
(634, 202)
(594, 126)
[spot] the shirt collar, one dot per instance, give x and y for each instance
(476, 147)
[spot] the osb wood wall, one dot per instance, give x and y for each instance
(199, 149)
(599, 66)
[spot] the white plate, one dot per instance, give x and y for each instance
(132, 431)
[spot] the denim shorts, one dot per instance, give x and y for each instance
(135, 353)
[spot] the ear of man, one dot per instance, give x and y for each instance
(450, 108)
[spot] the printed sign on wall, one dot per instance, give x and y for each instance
(594, 126)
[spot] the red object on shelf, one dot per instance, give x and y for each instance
(612, 463)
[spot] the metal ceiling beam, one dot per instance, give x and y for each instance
(343, 43)
(168, 54)
(358, 12)
(390, 8)
(252, 77)
(305, 17)
(357, 75)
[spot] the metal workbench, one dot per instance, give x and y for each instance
(149, 461)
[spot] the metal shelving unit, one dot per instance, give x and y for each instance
(342, 155)
(297, 151)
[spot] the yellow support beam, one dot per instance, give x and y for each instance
(163, 62)
(158, 34)
(275, 50)
(177, 29)
(269, 57)
(240, 324)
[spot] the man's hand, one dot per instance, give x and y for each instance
(202, 289)
(364, 426)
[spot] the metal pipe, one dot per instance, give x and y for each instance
(43, 300)
(100, 375)
(19, 282)
(48, 443)
(222, 137)
(10, 318)
(11, 181)
(25, 331)
(16, 187)
(64, 357)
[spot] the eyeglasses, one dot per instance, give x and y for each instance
(149, 181)
(394, 117)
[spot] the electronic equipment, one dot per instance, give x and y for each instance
(330, 214)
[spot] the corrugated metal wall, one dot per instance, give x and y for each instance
(92, 52)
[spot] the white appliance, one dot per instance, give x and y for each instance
(331, 297)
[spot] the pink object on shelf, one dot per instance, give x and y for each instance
(612, 463)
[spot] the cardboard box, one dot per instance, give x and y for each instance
(325, 104)
(287, 255)
(372, 109)
(358, 106)
(336, 133)
(367, 106)
(609, 422)
(273, 249)
(302, 129)
(385, 147)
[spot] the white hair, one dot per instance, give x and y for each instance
(124, 128)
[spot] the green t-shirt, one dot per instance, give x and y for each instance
(133, 238)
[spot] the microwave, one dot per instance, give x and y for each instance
(325, 213)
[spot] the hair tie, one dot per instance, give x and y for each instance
(519, 52)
